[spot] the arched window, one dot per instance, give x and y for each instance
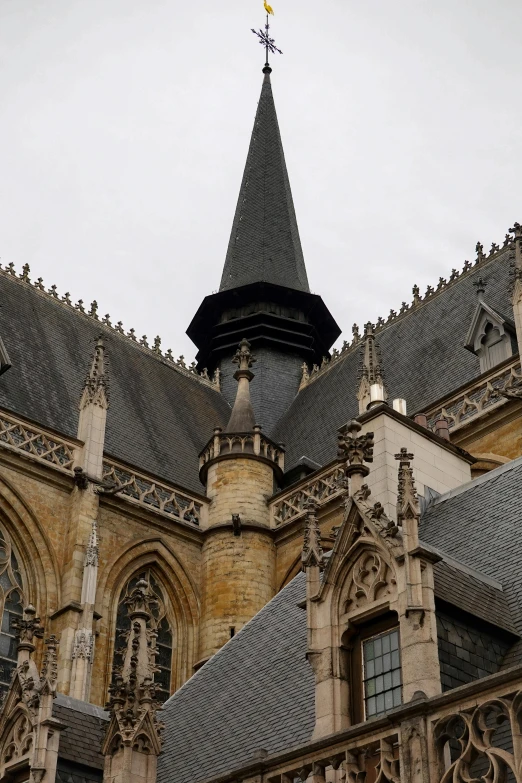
(11, 606)
(161, 623)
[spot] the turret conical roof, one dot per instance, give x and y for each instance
(264, 244)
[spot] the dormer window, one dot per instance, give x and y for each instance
(491, 337)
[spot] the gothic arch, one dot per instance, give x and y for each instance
(38, 560)
(155, 554)
(17, 738)
(365, 576)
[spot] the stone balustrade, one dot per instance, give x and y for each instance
(471, 733)
(324, 487)
(242, 443)
(36, 443)
(477, 398)
(153, 495)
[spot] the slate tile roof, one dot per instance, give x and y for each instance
(255, 693)
(423, 358)
(479, 524)
(158, 420)
(80, 742)
(264, 243)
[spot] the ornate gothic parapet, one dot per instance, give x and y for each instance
(250, 445)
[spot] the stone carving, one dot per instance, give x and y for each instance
(472, 736)
(479, 397)
(152, 495)
(83, 646)
(312, 554)
(407, 499)
(96, 385)
(371, 578)
(134, 724)
(370, 368)
(31, 441)
(322, 489)
(355, 448)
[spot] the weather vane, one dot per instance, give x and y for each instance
(264, 36)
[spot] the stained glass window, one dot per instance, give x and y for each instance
(382, 673)
(11, 606)
(164, 642)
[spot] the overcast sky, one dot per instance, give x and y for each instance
(124, 129)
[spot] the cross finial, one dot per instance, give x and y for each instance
(480, 285)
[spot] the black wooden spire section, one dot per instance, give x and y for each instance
(264, 295)
(264, 243)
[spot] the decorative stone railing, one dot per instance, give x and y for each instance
(324, 487)
(152, 495)
(35, 443)
(477, 398)
(242, 443)
(471, 733)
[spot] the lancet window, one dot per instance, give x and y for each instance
(12, 601)
(162, 624)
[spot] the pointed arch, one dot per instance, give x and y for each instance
(153, 553)
(37, 560)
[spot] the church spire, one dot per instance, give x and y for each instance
(264, 244)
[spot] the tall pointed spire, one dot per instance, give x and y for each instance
(264, 243)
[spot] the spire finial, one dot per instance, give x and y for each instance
(265, 39)
(407, 499)
(242, 418)
(312, 553)
(371, 389)
(96, 386)
(480, 285)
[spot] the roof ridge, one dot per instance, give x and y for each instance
(155, 350)
(310, 375)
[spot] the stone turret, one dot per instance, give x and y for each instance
(239, 467)
(372, 388)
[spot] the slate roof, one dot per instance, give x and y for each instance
(80, 742)
(479, 524)
(264, 244)
(255, 693)
(423, 358)
(158, 420)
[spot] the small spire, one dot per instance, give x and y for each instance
(408, 506)
(96, 386)
(517, 231)
(242, 418)
(28, 629)
(371, 384)
(312, 554)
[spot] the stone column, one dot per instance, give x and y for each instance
(416, 596)
(79, 577)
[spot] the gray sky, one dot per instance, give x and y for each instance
(124, 128)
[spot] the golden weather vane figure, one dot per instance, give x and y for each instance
(264, 35)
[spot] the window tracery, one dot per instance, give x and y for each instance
(161, 623)
(12, 600)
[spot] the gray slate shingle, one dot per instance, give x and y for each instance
(256, 692)
(423, 357)
(158, 420)
(264, 243)
(80, 742)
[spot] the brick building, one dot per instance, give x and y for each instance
(320, 546)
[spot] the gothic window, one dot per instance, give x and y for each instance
(160, 621)
(494, 348)
(11, 606)
(381, 673)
